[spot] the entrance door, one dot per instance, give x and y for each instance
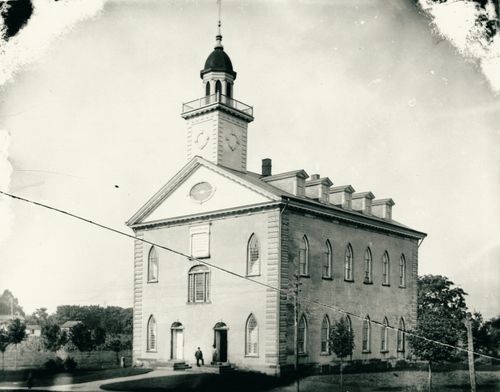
(177, 341)
(220, 338)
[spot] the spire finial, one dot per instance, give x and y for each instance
(218, 37)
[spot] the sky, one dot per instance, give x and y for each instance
(370, 93)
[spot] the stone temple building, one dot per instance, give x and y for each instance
(266, 227)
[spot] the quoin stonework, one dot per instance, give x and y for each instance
(344, 245)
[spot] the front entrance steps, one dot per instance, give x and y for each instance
(173, 364)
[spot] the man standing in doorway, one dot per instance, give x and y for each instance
(199, 357)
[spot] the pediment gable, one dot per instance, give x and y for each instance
(200, 187)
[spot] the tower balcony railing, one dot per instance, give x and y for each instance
(214, 99)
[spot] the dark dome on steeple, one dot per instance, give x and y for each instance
(218, 61)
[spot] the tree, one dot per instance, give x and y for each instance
(4, 343)
(38, 317)
(10, 304)
(53, 338)
(441, 310)
(98, 337)
(81, 337)
(16, 333)
(341, 342)
(116, 346)
(486, 334)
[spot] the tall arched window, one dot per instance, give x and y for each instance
(365, 346)
(218, 87)
(402, 271)
(384, 343)
(253, 256)
(348, 275)
(385, 269)
(304, 257)
(349, 324)
(151, 338)
(199, 284)
(152, 265)
(229, 89)
(325, 335)
(302, 336)
(252, 336)
(207, 89)
(401, 335)
(327, 260)
(368, 266)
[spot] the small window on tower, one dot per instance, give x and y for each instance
(218, 87)
(207, 89)
(229, 90)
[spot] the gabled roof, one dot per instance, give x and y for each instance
(248, 180)
(70, 323)
(259, 184)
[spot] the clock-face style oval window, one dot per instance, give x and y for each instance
(201, 192)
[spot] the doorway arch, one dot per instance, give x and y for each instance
(220, 342)
(177, 341)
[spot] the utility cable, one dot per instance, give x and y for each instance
(281, 291)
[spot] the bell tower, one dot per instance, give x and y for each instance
(217, 123)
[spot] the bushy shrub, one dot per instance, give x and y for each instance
(54, 365)
(69, 364)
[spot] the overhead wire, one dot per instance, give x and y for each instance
(225, 270)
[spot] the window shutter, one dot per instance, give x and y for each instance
(200, 241)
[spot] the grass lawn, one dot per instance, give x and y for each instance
(404, 381)
(42, 378)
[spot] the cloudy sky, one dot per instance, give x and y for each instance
(366, 92)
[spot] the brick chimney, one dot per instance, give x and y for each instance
(362, 202)
(383, 208)
(341, 196)
(267, 165)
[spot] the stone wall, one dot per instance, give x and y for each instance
(30, 355)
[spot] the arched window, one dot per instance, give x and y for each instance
(368, 266)
(252, 336)
(325, 335)
(229, 89)
(253, 256)
(207, 89)
(348, 275)
(327, 260)
(366, 335)
(199, 284)
(402, 271)
(401, 335)
(304, 257)
(349, 324)
(218, 87)
(302, 336)
(385, 269)
(384, 343)
(152, 265)
(151, 338)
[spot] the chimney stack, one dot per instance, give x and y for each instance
(383, 208)
(362, 202)
(266, 167)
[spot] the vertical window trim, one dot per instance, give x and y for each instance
(349, 264)
(368, 278)
(325, 339)
(384, 342)
(249, 352)
(366, 327)
(386, 268)
(304, 257)
(401, 336)
(151, 344)
(153, 259)
(253, 241)
(328, 261)
(402, 271)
